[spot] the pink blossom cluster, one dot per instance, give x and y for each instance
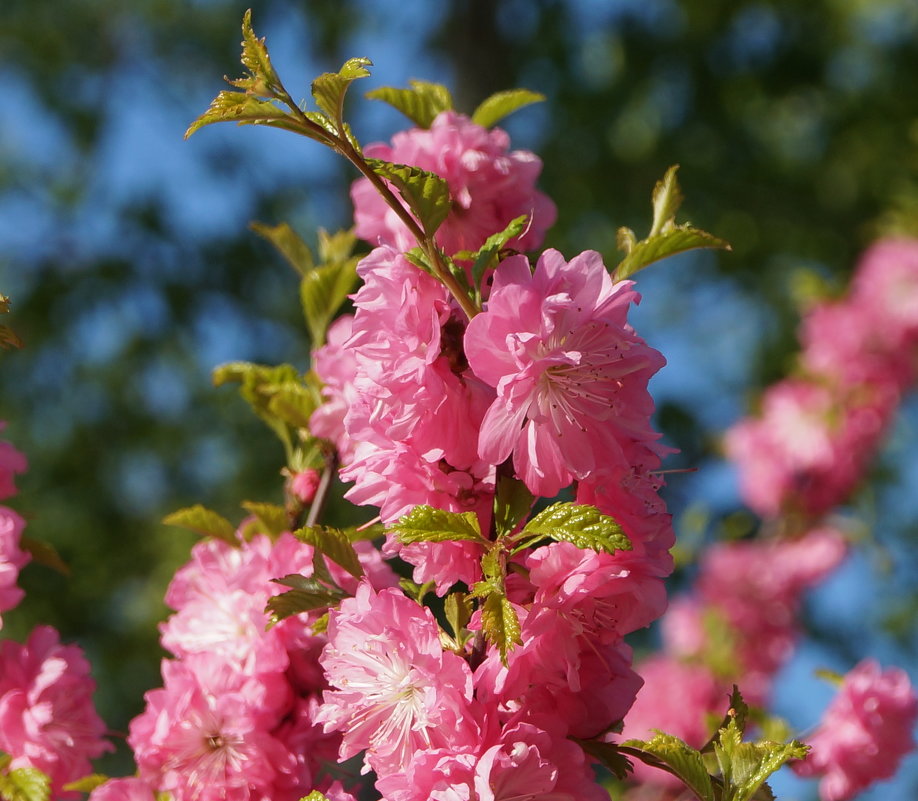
(549, 379)
(47, 718)
(489, 186)
(548, 385)
(236, 717)
(864, 733)
(432, 727)
(818, 431)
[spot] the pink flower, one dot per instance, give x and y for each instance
(47, 718)
(417, 409)
(394, 690)
(570, 373)
(530, 763)
(811, 444)
(886, 283)
(489, 186)
(631, 495)
(12, 559)
(207, 735)
(11, 463)
(864, 733)
(336, 365)
(127, 789)
(304, 484)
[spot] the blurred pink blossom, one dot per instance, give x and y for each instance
(47, 717)
(864, 733)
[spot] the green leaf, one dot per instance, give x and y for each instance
(746, 766)
(737, 713)
(489, 252)
(44, 553)
(609, 755)
(25, 784)
(87, 784)
(322, 291)
(263, 79)
(500, 624)
(336, 247)
(333, 543)
(680, 239)
(667, 198)
(293, 403)
(682, 761)
(306, 595)
(512, 503)
(415, 591)
(329, 89)
(229, 106)
(582, 525)
(288, 243)
(501, 104)
(421, 103)
(273, 518)
(457, 607)
(427, 524)
(426, 194)
(665, 238)
(203, 521)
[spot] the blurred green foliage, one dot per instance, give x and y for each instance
(131, 277)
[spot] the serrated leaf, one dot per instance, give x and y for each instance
(25, 784)
(273, 518)
(329, 89)
(488, 254)
(667, 198)
(203, 521)
(421, 103)
(229, 106)
(277, 394)
(682, 760)
(500, 624)
(44, 553)
(364, 533)
(512, 503)
(288, 243)
(322, 291)
(580, 524)
(426, 194)
(609, 755)
(680, 239)
(457, 606)
(501, 104)
(737, 713)
(87, 784)
(427, 524)
(255, 58)
(306, 595)
(746, 766)
(333, 543)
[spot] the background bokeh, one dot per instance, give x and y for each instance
(133, 273)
